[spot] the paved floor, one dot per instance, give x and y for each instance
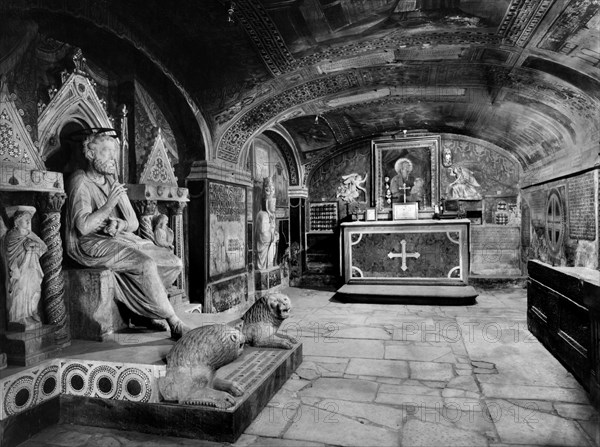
(404, 375)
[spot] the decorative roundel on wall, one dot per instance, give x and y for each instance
(75, 380)
(46, 384)
(19, 395)
(103, 382)
(134, 385)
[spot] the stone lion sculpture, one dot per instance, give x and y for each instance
(193, 362)
(262, 320)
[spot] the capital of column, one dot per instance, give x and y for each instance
(177, 207)
(50, 202)
(145, 207)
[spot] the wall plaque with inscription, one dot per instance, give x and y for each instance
(227, 240)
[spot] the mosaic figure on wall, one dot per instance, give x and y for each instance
(99, 233)
(267, 235)
(465, 186)
(163, 235)
(21, 249)
(349, 190)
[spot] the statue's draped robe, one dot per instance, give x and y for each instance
(265, 240)
(23, 274)
(142, 270)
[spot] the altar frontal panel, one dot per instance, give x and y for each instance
(391, 253)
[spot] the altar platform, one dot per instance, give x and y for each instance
(114, 384)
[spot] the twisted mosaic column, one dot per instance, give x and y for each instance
(146, 210)
(53, 285)
(177, 227)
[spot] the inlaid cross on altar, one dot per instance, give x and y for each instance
(404, 188)
(403, 255)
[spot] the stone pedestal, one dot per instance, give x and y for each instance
(261, 371)
(92, 307)
(267, 281)
(31, 346)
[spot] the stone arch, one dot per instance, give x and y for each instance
(285, 147)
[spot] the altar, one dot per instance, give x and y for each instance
(414, 260)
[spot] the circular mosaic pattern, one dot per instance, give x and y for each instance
(22, 397)
(134, 385)
(46, 384)
(103, 382)
(49, 385)
(77, 382)
(19, 396)
(74, 380)
(105, 385)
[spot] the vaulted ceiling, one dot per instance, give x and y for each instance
(521, 74)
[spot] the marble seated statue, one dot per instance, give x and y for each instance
(267, 235)
(99, 233)
(21, 249)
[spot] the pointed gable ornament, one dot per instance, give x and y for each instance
(16, 146)
(76, 100)
(158, 169)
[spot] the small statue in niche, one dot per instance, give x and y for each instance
(163, 235)
(21, 250)
(193, 362)
(267, 235)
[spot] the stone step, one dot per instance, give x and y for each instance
(498, 281)
(29, 347)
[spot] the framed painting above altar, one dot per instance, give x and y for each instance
(405, 170)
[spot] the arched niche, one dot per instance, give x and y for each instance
(74, 107)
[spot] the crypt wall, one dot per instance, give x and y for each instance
(496, 225)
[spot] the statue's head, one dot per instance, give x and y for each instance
(22, 221)
(101, 152)
(269, 194)
(161, 221)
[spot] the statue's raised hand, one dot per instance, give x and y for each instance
(117, 191)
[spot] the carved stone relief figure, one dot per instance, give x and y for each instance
(267, 235)
(21, 250)
(163, 235)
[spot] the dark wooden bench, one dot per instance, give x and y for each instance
(563, 312)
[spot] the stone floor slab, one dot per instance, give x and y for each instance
(379, 368)
(516, 426)
(336, 429)
(346, 348)
(419, 433)
(419, 353)
(345, 389)
(510, 391)
(431, 371)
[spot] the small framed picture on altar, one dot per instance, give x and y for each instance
(405, 211)
(371, 214)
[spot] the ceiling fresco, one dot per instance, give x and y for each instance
(523, 75)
